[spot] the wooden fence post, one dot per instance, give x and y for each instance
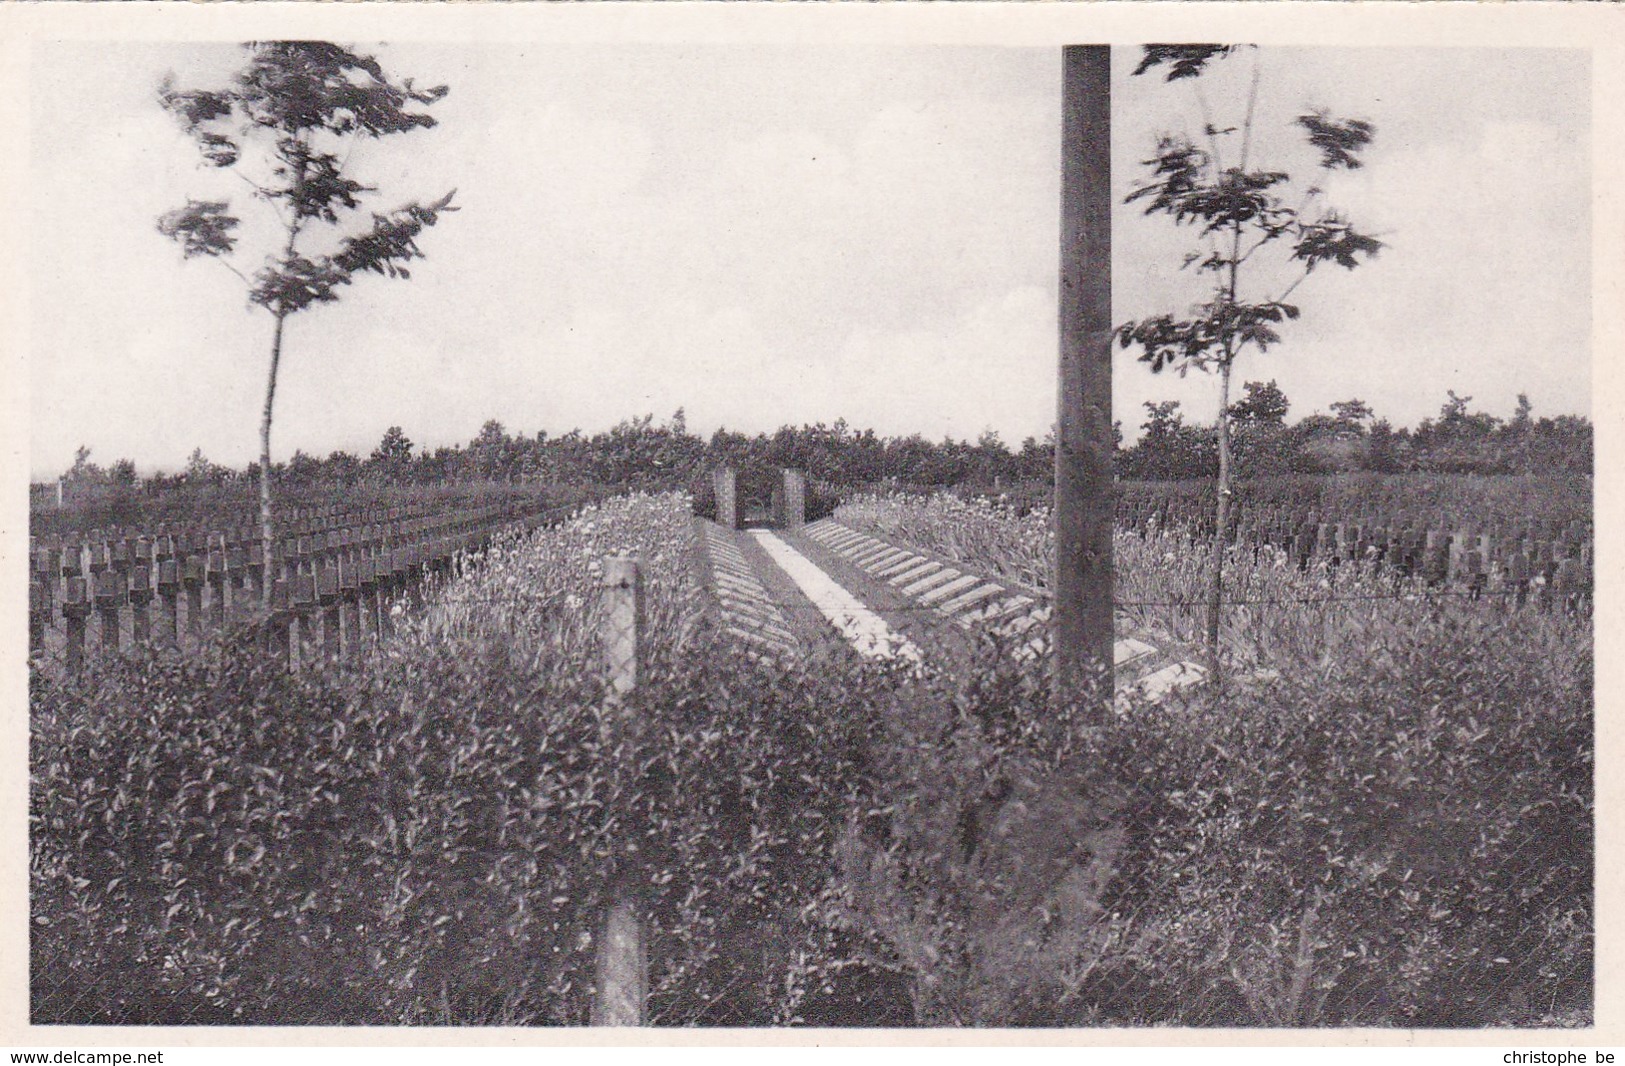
(109, 599)
(622, 966)
(417, 572)
(1518, 578)
(42, 596)
(366, 606)
(169, 591)
(237, 584)
(302, 639)
(257, 571)
(327, 594)
(219, 592)
(391, 567)
(1436, 557)
(349, 605)
(277, 639)
(387, 565)
(1571, 585)
(39, 616)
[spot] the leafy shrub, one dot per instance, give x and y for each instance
(977, 868)
(1401, 841)
(1396, 831)
(427, 835)
(1399, 833)
(426, 839)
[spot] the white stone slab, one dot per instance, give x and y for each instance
(975, 595)
(914, 588)
(1129, 650)
(1159, 683)
(892, 569)
(844, 538)
(942, 592)
(869, 552)
(863, 628)
(885, 558)
(998, 609)
(915, 572)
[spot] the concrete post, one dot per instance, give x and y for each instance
(622, 966)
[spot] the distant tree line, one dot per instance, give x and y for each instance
(637, 453)
(1352, 438)
(640, 453)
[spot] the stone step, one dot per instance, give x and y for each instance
(1159, 683)
(929, 581)
(885, 558)
(1128, 650)
(908, 561)
(914, 572)
(845, 539)
(975, 595)
(996, 609)
(870, 552)
(942, 592)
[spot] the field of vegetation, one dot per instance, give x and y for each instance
(1397, 831)
(213, 507)
(1276, 615)
(1547, 505)
(1375, 809)
(1465, 464)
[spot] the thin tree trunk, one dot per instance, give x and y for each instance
(1221, 526)
(267, 533)
(281, 311)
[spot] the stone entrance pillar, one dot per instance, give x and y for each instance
(792, 500)
(724, 484)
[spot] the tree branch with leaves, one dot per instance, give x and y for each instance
(285, 125)
(1238, 213)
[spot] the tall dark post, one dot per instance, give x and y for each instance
(1081, 623)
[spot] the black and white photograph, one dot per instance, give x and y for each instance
(818, 532)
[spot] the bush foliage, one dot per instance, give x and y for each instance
(428, 834)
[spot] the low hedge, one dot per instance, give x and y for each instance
(427, 836)
(424, 842)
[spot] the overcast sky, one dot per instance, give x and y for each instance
(771, 235)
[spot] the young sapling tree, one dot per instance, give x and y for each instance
(1241, 216)
(285, 124)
